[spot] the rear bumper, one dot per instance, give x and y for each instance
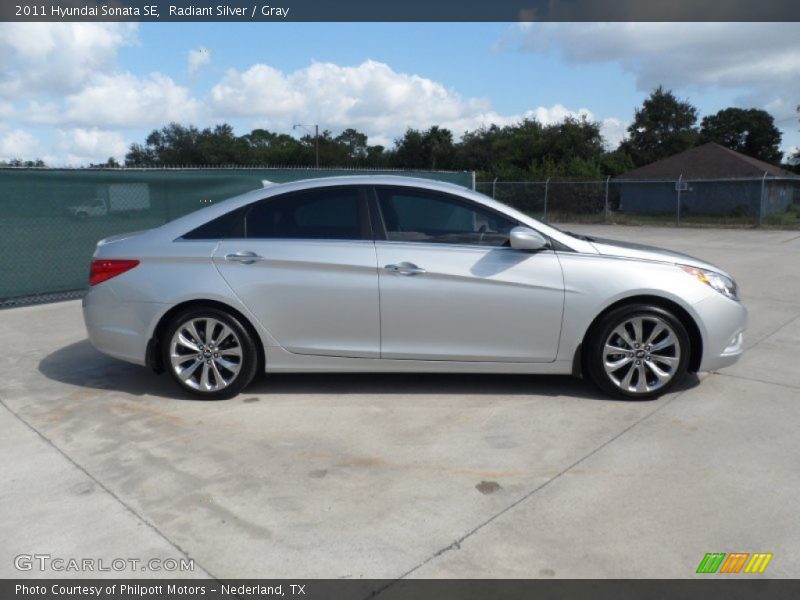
(117, 328)
(723, 322)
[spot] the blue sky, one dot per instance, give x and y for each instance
(75, 93)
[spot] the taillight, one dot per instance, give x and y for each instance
(105, 268)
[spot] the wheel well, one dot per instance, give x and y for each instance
(153, 358)
(695, 339)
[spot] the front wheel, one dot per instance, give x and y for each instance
(638, 352)
(209, 353)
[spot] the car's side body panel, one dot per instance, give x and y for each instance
(281, 361)
(595, 282)
(313, 296)
(471, 303)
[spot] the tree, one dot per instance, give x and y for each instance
(111, 163)
(571, 139)
(173, 144)
(616, 162)
(663, 126)
(474, 152)
(515, 148)
(795, 159)
(220, 146)
(749, 131)
(409, 150)
(354, 142)
(268, 148)
(439, 147)
(18, 162)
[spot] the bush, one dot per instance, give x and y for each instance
(788, 217)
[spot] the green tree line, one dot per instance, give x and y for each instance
(529, 150)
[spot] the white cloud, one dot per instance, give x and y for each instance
(758, 61)
(261, 91)
(198, 59)
(7, 110)
(370, 97)
(57, 58)
(613, 131)
(41, 113)
(18, 143)
(126, 100)
(80, 146)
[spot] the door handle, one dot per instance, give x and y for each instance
(246, 257)
(405, 268)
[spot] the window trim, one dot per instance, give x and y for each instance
(471, 204)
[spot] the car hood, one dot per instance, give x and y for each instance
(643, 252)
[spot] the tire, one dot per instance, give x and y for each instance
(213, 369)
(623, 369)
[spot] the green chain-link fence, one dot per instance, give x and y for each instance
(767, 201)
(51, 219)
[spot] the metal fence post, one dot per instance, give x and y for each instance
(546, 186)
(678, 207)
(605, 210)
(761, 199)
(494, 185)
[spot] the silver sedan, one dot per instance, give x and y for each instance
(393, 274)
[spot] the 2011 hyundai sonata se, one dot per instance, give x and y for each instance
(379, 273)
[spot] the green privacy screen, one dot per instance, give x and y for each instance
(51, 219)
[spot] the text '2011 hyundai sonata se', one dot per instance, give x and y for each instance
(394, 274)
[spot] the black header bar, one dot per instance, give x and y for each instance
(708, 587)
(239, 11)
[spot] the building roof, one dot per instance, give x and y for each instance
(705, 162)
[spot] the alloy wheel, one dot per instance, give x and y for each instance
(205, 354)
(642, 354)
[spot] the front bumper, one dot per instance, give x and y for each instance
(722, 322)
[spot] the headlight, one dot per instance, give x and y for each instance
(724, 285)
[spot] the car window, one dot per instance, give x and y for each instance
(328, 214)
(228, 226)
(419, 216)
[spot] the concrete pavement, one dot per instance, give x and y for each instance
(411, 475)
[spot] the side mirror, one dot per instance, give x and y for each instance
(525, 238)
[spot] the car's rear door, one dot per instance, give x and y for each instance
(451, 287)
(306, 269)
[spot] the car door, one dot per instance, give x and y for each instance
(452, 288)
(306, 268)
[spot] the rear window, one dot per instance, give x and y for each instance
(228, 226)
(326, 214)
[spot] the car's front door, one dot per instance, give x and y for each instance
(451, 287)
(306, 268)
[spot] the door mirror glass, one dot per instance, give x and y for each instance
(525, 238)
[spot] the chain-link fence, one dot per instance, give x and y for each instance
(51, 219)
(767, 201)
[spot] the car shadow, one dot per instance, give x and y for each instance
(79, 364)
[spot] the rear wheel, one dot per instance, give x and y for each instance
(638, 351)
(209, 353)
